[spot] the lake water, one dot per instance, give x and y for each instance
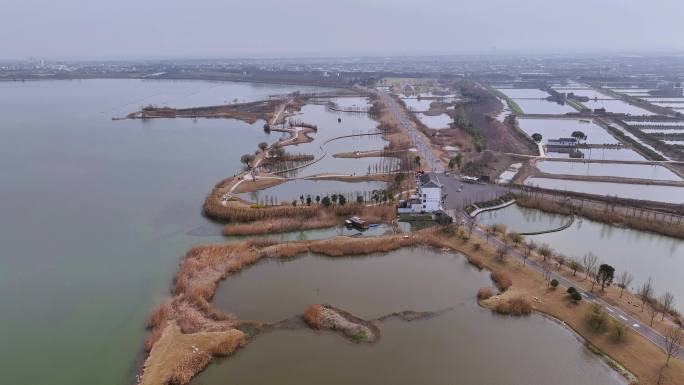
(563, 128)
(639, 171)
(469, 344)
(642, 254)
(96, 214)
(669, 194)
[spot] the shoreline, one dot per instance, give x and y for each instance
(525, 283)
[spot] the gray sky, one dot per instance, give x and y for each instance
(226, 28)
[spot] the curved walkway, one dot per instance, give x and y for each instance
(563, 227)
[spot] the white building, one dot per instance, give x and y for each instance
(428, 197)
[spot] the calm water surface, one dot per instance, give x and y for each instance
(638, 171)
(96, 214)
(670, 194)
(468, 345)
(642, 254)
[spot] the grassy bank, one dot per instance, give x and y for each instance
(511, 103)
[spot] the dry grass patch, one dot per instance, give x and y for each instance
(502, 279)
(514, 306)
(484, 293)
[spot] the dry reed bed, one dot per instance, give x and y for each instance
(324, 217)
(675, 230)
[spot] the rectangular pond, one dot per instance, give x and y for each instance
(669, 194)
(435, 121)
(563, 128)
(602, 154)
(639, 171)
(617, 106)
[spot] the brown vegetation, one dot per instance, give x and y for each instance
(484, 293)
(322, 217)
(514, 306)
(501, 279)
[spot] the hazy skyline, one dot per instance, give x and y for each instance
(80, 29)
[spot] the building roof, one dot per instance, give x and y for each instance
(430, 184)
(426, 181)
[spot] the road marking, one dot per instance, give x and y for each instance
(610, 310)
(585, 295)
(635, 325)
(623, 317)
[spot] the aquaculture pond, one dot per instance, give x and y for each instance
(642, 253)
(588, 92)
(435, 121)
(114, 205)
(294, 189)
(516, 93)
(541, 106)
(637, 171)
(467, 344)
(617, 106)
(563, 128)
(669, 194)
(418, 105)
(602, 154)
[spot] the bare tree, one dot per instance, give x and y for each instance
(645, 292)
(673, 341)
(546, 269)
(624, 279)
(545, 251)
(501, 252)
(652, 312)
(667, 300)
(589, 262)
(575, 265)
(593, 275)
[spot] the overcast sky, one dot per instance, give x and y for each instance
(228, 28)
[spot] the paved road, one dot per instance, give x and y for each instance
(470, 192)
(409, 127)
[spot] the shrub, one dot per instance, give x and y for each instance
(514, 306)
(576, 296)
(476, 261)
(554, 283)
(501, 279)
(484, 293)
(571, 290)
(618, 330)
(597, 318)
(477, 246)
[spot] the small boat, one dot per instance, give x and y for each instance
(356, 235)
(585, 121)
(356, 222)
